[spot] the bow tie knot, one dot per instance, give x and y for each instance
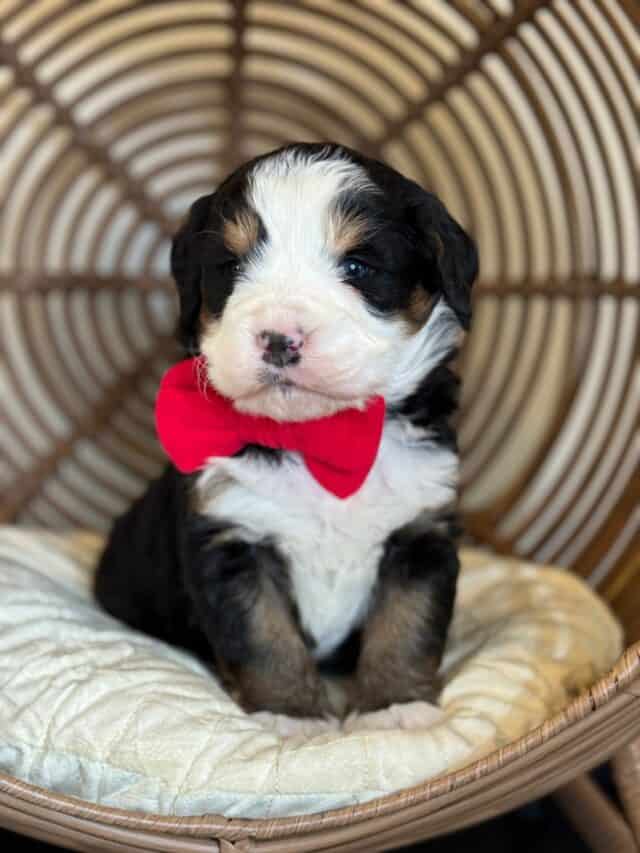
(195, 425)
(279, 436)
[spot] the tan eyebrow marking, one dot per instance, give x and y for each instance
(345, 231)
(240, 234)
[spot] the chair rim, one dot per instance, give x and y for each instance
(613, 690)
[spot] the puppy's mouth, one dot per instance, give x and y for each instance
(290, 394)
(275, 379)
(279, 396)
(281, 381)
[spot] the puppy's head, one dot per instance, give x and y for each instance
(314, 278)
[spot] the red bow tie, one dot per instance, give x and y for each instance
(195, 424)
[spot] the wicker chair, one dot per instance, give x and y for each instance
(520, 114)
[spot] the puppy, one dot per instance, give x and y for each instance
(311, 281)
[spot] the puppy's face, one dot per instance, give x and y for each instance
(315, 278)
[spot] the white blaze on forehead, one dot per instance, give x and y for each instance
(293, 193)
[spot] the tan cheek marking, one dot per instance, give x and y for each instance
(344, 233)
(419, 308)
(207, 322)
(422, 303)
(240, 235)
(437, 239)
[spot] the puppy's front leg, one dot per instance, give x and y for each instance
(404, 636)
(239, 592)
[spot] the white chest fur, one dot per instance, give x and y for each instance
(332, 546)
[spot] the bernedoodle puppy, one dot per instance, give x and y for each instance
(309, 517)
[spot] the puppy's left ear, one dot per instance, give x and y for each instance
(187, 272)
(451, 257)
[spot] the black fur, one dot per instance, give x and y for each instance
(433, 404)
(223, 582)
(188, 579)
(141, 575)
(201, 265)
(388, 250)
(426, 561)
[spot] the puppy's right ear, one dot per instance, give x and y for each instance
(187, 272)
(451, 257)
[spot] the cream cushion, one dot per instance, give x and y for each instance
(91, 708)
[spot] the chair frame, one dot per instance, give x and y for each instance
(602, 723)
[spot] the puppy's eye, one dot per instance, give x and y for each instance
(355, 270)
(233, 265)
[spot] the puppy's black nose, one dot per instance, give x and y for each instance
(279, 350)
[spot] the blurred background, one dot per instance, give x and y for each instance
(521, 115)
